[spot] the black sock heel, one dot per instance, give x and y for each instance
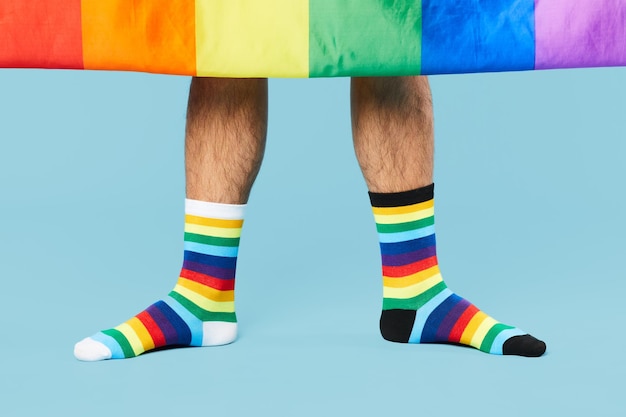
(396, 325)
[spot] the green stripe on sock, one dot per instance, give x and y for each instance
(491, 335)
(413, 303)
(339, 45)
(211, 240)
(201, 313)
(404, 227)
(122, 341)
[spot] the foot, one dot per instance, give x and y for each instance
(200, 310)
(447, 318)
(418, 307)
(166, 323)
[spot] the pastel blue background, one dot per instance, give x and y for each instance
(530, 220)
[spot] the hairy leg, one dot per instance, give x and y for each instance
(392, 122)
(392, 125)
(225, 140)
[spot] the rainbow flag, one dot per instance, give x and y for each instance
(312, 38)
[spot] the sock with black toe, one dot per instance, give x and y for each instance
(418, 307)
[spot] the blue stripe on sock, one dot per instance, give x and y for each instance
(408, 235)
(225, 262)
(108, 341)
(195, 324)
(408, 246)
(182, 332)
(424, 312)
(230, 251)
(503, 336)
(429, 333)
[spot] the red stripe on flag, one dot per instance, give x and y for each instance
(41, 34)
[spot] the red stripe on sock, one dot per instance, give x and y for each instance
(216, 283)
(155, 332)
(404, 270)
(461, 323)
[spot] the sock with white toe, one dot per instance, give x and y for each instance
(200, 310)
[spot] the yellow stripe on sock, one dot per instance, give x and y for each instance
(206, 291)
(482, 331)
(412, 290)
(411, 279)
(404, 218)
(212, 231)
(205, 221)
(205, 303)
(131, 336)
(142, 333)
(386, 211)
(472, 326)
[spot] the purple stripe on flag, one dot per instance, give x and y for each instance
(580, 33)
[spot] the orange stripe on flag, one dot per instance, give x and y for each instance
(142, 35)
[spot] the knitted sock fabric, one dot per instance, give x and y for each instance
(200, 310)
(418, 307)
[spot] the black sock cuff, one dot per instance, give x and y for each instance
(403, 198)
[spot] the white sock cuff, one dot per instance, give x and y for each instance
(214, 210)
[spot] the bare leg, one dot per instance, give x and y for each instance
(226, 127)
(225, 138)
(392, 121)
(392, 124)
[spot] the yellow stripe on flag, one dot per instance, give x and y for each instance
(252, 38)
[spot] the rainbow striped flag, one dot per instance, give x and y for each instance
(312, 38)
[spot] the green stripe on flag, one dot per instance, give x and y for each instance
(365, 37)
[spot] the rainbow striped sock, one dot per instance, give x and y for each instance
(200, 310)
(418, 307)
